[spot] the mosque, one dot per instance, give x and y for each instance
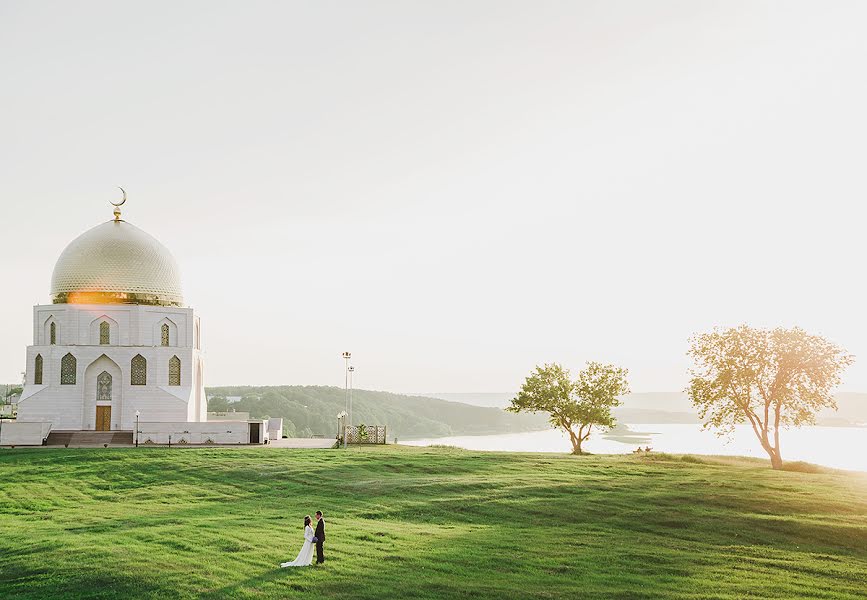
(117, 355)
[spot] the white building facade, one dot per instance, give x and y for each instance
(92, 366)
(117, 343)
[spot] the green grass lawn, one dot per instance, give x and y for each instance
(424, 523)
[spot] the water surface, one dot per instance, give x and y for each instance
(838, 447)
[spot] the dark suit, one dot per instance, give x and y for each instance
(320, 540)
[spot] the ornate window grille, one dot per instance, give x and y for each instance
(365, 434)
(37, 370)
(103, 387)
(164, 334)
(174, 371)
(68, 365)
(52, 333)
(104, 333)
(139, 370)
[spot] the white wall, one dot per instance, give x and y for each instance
(135, 330)
(23, 434)
(275, 428)
(132, 324)
(219, 432)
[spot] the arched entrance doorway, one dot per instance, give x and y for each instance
(102, 408)
(103, 401)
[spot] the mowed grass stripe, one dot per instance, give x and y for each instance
(424, 523)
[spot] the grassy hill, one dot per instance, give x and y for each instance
(424, 523)
(314, 409)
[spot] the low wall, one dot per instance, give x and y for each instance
(209, 432)
(16, 433)
(275, 428)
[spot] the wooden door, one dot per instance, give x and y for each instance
(254, 433)
(103, 418)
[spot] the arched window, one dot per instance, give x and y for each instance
(103, 387)
(174, 371)
(139, 370)
(104, 333)
(164, 334)
(68, 366)
(37, 370)
(52, 333)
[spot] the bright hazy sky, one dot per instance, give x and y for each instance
(454, 191)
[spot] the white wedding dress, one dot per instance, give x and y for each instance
(305, 556)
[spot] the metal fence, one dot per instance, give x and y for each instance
(365, 434)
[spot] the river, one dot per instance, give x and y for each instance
(838, 447)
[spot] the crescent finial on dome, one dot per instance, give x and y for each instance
(117, 205)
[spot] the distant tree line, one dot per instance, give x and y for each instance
(312, 410)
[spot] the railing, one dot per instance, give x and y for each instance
(365, 434)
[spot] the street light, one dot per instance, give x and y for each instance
(137, 413)
(351, 371)
(346, 357)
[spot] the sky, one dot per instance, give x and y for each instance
(454, 191)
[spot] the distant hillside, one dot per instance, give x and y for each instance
(656, 407)
(313, 410)
(675, 407)
(494, 399)
(851, 409)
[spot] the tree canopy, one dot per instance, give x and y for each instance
(574, 406)
(769, 378)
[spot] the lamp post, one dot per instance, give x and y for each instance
(346, 357)
(137, 413)
(351, 371)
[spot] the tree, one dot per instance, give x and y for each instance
(769, 378)
(218, 404)
(574, 406)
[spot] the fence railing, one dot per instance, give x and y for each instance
(365, 434)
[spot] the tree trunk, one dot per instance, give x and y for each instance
(774, 454)
(575, 439)
(576, 442)
(761, 431)
(776, 461)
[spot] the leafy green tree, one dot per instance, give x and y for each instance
(573, 406)
(769, 378)
(218, 404)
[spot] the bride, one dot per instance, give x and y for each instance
(305, 556)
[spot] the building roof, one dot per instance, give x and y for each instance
(116, 263)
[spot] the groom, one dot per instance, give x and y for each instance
(320, 537)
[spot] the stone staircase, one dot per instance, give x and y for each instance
(89, 439)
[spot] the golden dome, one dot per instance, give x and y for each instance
(116, 263)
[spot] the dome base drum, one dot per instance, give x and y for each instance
(114, 298)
